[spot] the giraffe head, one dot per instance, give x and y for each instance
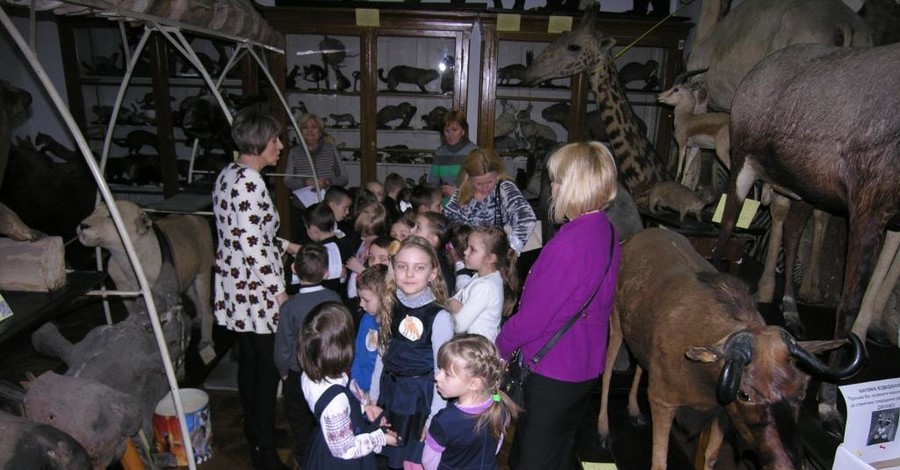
(579, 50)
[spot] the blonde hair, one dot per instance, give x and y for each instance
(371, 219)
(479, 358)
(320, 123)
(478, 162)
(586, 174)
(389, 299)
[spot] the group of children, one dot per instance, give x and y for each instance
(394, 314)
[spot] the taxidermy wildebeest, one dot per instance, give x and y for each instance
(734, 364)
(820, 123)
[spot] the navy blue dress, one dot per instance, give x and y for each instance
(464, 449)
(407, 381)
(318, 456)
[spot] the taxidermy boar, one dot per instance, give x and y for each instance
(405, 74)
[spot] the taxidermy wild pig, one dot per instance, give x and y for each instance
(674, 196)
(411, 75)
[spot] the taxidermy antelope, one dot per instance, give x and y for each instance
(702, 130)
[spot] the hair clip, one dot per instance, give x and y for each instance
(495, 397)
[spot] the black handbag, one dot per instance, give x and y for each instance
(515, 377)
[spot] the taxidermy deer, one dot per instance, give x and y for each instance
(703, 130)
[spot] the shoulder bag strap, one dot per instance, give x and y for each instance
(498, 209)
(540, 354)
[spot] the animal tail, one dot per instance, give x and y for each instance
(381, 76)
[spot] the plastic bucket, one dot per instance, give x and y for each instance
(167, 432)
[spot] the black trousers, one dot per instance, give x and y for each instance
(547, 432)
(299, 416)
(258, 387)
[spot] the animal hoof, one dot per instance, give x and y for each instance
(604, 442)
(639, 420)
(834, 428)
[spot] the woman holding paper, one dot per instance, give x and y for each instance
(329, 167)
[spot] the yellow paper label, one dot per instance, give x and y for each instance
(368, 17)
(508, 22)
(598, 466)
(559, 24)
(748, 212)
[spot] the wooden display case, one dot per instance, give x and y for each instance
(376, 121)
(150, 155)
(564, 109)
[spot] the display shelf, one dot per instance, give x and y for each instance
(564, 109)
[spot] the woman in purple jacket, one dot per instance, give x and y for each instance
(566, 273)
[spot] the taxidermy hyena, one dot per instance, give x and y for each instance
(405, 74)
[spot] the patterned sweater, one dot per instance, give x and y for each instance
(506, 207)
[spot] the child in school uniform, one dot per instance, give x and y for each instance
(370, 287)
(320, 229)
(349, 433)
(456, 250)
(371, 222)
(435, 228)
(310, 265)
(491, 295)
(469, 431)
(402, 228)
(426, 198)
(414, 326)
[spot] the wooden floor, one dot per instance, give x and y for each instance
(630, 444)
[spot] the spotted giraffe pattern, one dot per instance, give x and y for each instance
(584, 49)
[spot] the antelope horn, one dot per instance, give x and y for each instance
(683, 76)
(821, 370)
(738, 351)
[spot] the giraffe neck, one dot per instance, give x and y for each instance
(639, 167)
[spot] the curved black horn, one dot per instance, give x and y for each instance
(738, 350)
(822, 371)
(683, 76)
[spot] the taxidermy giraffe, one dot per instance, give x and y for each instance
(585, 49)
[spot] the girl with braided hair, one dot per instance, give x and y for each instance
(469, 431)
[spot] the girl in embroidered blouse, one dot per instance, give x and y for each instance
(249, 275)
(469, 432)
(349, 432)
(413, 326)
(491, 294)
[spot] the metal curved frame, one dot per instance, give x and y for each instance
(173, 35)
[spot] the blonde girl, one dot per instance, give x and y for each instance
(468, 433)
(413, 326)
(491, 294)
